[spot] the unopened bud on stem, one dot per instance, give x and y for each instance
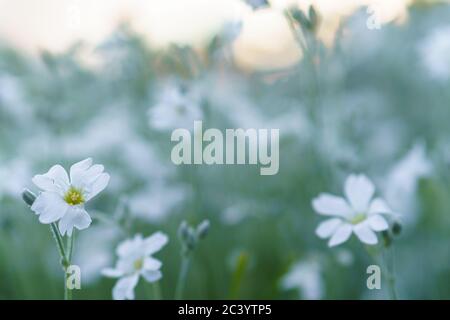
(202, 229)
(29, 197)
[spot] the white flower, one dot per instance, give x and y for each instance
(435, 53)
(177, 107)
(16, 173)
(135, 260)
(401, 183)
(305, 276)
(63, 199)
(359, 213)
(163, 198)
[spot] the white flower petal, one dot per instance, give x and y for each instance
(341, 235)
(378, 205)
(55, 180)
(97, 186)
(130, 246)
(151, 275)
(112, 273)
(155, 242)
(50, 207)
(95, 171)
(75, 217)
(377, 223)
(365, 234)
(151, 264)
(124, 288)
(331, 205)
(77, 171)
(359, 190)
(328, 227)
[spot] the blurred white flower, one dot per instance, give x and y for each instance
(13, 176)
(305, 276)
(177, 107)
(63, 199)
(12, 97)
(237, 212)
(357, 214)
(344, 257)
(154, 203)
(435, 53)
(401, 182)
(94, 250)
(135, 260)
(96, 137)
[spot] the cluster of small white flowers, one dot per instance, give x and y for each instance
(64, 195)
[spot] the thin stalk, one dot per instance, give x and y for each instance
(70, 241)
(67, 291)
(65, 258)
(182, 277)
(59, 245)
(156, 291)
(389, 263)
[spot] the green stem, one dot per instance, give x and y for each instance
(70, 241)
(389, 263)
(182, 277)
(59, 245)
(67, 291)
(156, 291)
(65, 258)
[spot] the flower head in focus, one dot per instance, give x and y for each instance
(358, 213)
(63, 197)
(135, 260)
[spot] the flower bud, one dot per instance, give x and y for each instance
(191, 239)
(387, 238)
(202, 229)
(313, 18)
(300, 18)
(29, 197)
(183, 231)
(396, 228)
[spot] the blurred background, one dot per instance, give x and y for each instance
(353, 86)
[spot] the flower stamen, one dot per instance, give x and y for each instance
(138, 264)
(360, 217)
(74, 196)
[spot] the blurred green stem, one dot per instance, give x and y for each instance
(65, 258)
(156, 291)
(182, 277)
(238, 275)
(389, 264)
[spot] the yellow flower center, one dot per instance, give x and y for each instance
(74, 196)
(138, 264)
(360, 217)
